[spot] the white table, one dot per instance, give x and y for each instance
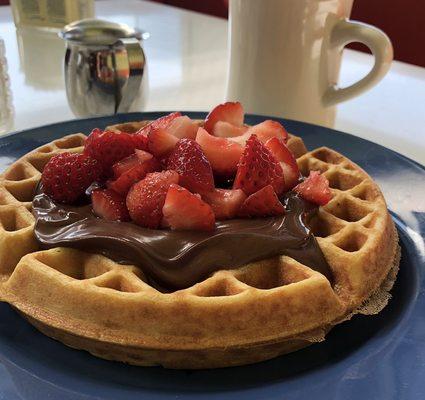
(187, 59)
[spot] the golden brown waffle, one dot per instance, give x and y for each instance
(234, 317)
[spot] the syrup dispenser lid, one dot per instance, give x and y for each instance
(99, 32)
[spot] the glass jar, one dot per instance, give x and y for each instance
(50, 14)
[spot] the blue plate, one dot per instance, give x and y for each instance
(374, 357)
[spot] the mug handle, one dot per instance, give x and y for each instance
(128, 83)
(345, 32)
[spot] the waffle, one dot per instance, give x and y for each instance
(233, 317)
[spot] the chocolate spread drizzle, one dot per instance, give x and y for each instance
(178, 259)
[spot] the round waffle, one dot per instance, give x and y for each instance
(234, 317)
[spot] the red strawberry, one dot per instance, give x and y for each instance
(186, 211)
(183, 127)
(125, 165)
(264, 131)
(315, 188)
(291, 173)
(225, 203)
(227, 112)
(109, 147)
(263, 203)
(165, 121)
(268, 129)
(134, 174)
(222, 154)
(226, 129)
(143, 155)
(109, 205)
(189, 161)
(146, 198)
(258, 168)
(144, 130)
(66, 176)
(162, 123)
(131, 161)
(161, 143)
(140, 141)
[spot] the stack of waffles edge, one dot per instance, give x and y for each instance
(234, 317)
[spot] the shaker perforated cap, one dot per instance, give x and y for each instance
(99, 32)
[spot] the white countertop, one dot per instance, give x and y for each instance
(187, 60)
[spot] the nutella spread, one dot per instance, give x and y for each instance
(173, 260)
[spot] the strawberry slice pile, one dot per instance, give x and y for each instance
(175, 173)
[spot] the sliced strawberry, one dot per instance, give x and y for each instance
(134, 174)
(146, 198)
(263, 203)
(227, 112)
(315, 188)
(222, 154)
(66, 176)
(109, 205)
(189, 161)
(264, 131)
(161, 143)
(162, 123)
(269, 129)
(258, 168)
(226, 129)
(291, 173)
(183, 127)
(144, 131)
(186, 211)
(131, 161)
(143, 155)
(109, 147)
(225, 202)
(140, 141)
(165, 121)
(124, 165)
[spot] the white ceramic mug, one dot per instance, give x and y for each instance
(285, 56)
